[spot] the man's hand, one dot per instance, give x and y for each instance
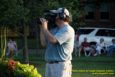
(47, 33)
(44, 23)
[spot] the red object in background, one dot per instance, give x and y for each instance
(11, 64)
(85, 44)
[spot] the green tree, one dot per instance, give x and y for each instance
(11, 12)
(74, 6)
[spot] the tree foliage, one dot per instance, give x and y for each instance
(11, 11)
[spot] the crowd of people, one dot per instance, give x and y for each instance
(93, 48)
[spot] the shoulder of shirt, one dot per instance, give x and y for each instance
(68, 27)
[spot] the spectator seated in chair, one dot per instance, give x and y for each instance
(101, 47)
(111, 48)
(85, 46)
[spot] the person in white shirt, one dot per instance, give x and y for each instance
(11, 48)
(100, 46)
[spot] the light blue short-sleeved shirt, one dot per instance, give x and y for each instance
(62, 50)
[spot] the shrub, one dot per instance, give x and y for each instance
(13, 68)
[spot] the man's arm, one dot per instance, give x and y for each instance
(47, 33)
(42, 38)
(50, 37)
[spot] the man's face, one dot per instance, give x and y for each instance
(57, 21)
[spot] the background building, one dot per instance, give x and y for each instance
(99, 13)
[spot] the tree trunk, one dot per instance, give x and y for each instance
(3, 42)
(25, 45)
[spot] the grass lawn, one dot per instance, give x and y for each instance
(99, 66)
(93, 66)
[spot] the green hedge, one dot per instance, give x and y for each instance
(12, 68)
